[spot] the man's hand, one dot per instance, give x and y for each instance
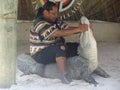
(83, 27)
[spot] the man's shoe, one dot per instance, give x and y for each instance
(66, 79)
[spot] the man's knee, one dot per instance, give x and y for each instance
(62, 47)
(60, 51)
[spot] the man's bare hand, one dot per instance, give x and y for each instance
(83, 27)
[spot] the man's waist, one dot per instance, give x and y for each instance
(45, 43)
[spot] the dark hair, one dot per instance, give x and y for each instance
(47, 6)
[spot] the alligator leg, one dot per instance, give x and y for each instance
(85, 73)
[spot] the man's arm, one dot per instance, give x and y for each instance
(70, 31)
(72, 27)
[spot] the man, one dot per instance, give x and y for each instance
(47, 45)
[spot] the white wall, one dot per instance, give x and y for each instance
(103, 31)
(23, 29)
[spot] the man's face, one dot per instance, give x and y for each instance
(52, 14)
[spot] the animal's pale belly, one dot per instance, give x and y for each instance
(88, 46)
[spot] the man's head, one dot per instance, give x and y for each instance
(49, 11)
